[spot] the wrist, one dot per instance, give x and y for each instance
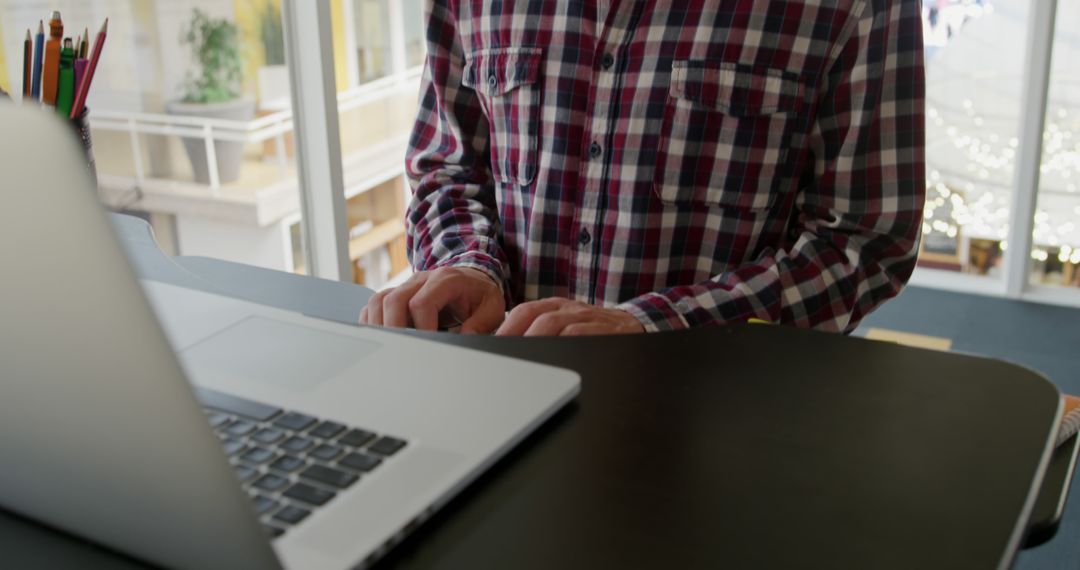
(631, 320)
(480, 272)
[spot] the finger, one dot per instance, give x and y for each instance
(553, 323)
(395, 306)
(485, 319)
(374, 309)
(587, 329)
(521, 318)
(363, 316)
(430, 300)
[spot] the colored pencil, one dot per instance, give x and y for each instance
(80, 70)
(50, 74)
(88, 76)
(65, 90)
(28, 62)
(85, 47)
(39, 53)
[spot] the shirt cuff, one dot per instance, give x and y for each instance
(655, 312)
(481, 261)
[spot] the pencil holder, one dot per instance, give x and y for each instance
(82, 128)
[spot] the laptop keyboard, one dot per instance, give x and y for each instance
(291, 463)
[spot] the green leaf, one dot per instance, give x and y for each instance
(215, 48)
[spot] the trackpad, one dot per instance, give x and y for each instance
(276, 353)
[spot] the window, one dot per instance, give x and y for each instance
(974, 66)
(154, 154)
(375, 114)
(1055, 254)
(997, 210)
(212, 168)
(374, 53)
(413, 16)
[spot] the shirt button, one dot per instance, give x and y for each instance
(608, 61)
(594, 150)
(583, 237)
(493, 81)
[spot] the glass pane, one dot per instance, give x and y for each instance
(375, 120)
(974, 62)
(371, 30)
(414, 32)
(1056, 238)
(201, 146)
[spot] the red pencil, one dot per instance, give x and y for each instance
(84, 85)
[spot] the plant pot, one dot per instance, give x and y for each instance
(230, 154)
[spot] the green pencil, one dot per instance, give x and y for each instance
(65, 92)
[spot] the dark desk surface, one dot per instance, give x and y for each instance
(880, 457)
(746, 447)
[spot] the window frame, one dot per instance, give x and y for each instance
(1015, 282)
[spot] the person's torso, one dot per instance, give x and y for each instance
(658, 148)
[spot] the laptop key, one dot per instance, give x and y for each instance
(244, 473)
(257, 455)
(268, 435)
(326, 452)
(327, 429)
(217, 419)
(273, 531)
(234, 405)
(309, 494)
(232, 446)
(329, 476)
(291, 514)
(359, 461)
(386, 445)
(270, 482)
(288, 463)
(263, 504)
(356, 437)
(296, 444)
(295, 421)
(240, 428)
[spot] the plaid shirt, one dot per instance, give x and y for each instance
(692, 162)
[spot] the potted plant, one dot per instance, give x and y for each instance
(212, 90)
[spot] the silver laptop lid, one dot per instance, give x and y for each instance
(101, 434)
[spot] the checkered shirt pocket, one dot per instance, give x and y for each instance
(726, 133)
(505, 82)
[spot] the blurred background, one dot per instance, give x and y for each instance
(153, 120)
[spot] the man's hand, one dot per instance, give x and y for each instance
(563, 317)
(465, 294)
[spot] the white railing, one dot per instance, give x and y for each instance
(273, 126)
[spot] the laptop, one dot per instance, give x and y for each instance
(192, 430)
